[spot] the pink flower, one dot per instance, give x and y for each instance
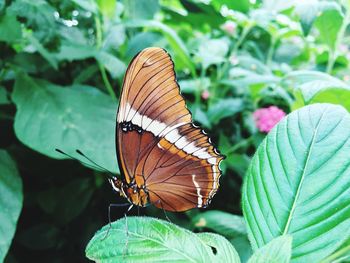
(267, 118)
(229, 27)
(205, 95)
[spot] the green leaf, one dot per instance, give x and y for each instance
(342, 254)
(180, 49)
(71, 51)
(298, 183)
(141, 9)
(314, 87)
(278, 250)
(213, 51)
(193, 85)
(142, 40)
(114, 65)
(11, 198)
(222, 248)
(329, 31)
(50, 116)
(107, 7)
(39, 13)
(222, 223)
(224, 108)
(146, 239)
(43, 51)
(10, 29)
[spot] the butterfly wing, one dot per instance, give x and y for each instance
(157, 143)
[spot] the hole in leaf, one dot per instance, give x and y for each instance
(214, 250)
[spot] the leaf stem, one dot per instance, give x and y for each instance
(100, 66)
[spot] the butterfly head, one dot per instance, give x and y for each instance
(118, 186)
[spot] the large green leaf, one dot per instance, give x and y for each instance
(144, 239)
(329, 31)
(278, 250)
(314, 87)
(298, 183)
(222, 248)
(11, 198)
(309, 11)
(76, 117)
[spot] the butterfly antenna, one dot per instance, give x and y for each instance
(93, 162)
(85, 163)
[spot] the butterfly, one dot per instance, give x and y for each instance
(165, 160)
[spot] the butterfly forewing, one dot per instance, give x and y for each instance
(158, 146)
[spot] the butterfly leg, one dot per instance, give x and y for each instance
(165, 214)
(125, 250)
(109, 217)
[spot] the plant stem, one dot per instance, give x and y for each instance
(100, 66)
(270, 51)
(238, 145)
(242, 37)
(333, 54)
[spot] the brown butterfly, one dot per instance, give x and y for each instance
(164, 158)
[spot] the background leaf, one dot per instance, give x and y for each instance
(222, 223)
(49, 117)
(308, 183)
(11, 198)
(315, 87)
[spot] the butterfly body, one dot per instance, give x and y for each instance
(165, 159)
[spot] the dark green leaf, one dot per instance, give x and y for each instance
(3, 96)
(224, 108)
(40, 237)
(10, 29)
(50, 116)
(67, 202)
(278, 250)
(146, 239)
(298, 183)
(11, 198)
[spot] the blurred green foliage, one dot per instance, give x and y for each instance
(61, 70)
